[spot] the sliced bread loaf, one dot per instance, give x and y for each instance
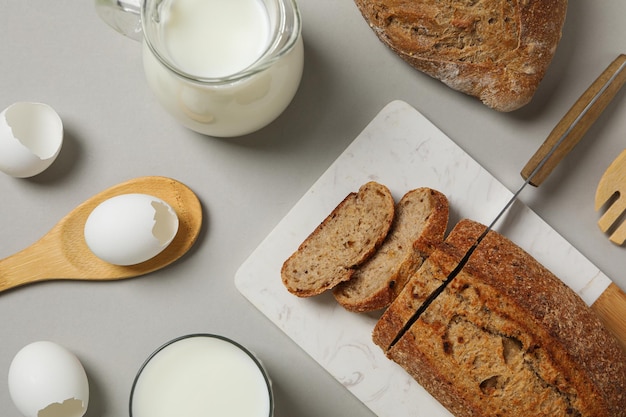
(506, 337)
(495, 50)
(343, 241)
(419, 225)
(425, 282)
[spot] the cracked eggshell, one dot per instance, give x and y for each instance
(31, 136)
(47, 380)
(130, 228)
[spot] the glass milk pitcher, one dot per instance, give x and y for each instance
(221, 67)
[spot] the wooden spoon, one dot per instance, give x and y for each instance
(63, 254)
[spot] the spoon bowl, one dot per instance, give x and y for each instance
(62, 253)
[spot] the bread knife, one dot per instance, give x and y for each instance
(563, 138)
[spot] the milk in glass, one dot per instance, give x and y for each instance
(201, 376)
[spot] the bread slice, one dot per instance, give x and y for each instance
(507, 338)
(419, 225)
(344, 240)
(495, 50)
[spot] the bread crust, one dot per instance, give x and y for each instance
(346, 238)
(419, 225)
(495, 50)
(507, 337)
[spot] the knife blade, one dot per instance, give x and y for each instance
(563, 138)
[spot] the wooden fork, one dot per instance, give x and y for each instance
(612, 190)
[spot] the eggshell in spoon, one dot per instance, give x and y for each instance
(130, 228)
(47, 380)
(31, 136)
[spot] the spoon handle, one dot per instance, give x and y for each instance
(33, 264)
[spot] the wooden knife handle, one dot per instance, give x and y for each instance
(572, 129)
(611, 307)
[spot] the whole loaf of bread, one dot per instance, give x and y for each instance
(504, 338)
(496, 50)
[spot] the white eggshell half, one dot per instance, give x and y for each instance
(130, 228)
(47, 380)
(31, 135)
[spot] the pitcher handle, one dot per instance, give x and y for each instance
(122, 15)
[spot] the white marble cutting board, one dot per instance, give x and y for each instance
(403, 150)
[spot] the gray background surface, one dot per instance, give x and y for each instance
(60, 53)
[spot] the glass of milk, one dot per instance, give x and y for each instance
(202, 375)
(220, 67)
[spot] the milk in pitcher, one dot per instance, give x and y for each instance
(212, 44)
(215, 38)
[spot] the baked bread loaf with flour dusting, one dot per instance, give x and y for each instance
(419, 226)
(496, 50)
(505, 337)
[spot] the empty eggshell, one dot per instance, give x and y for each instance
(47, 380)
(31, 135)
(130, 228)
